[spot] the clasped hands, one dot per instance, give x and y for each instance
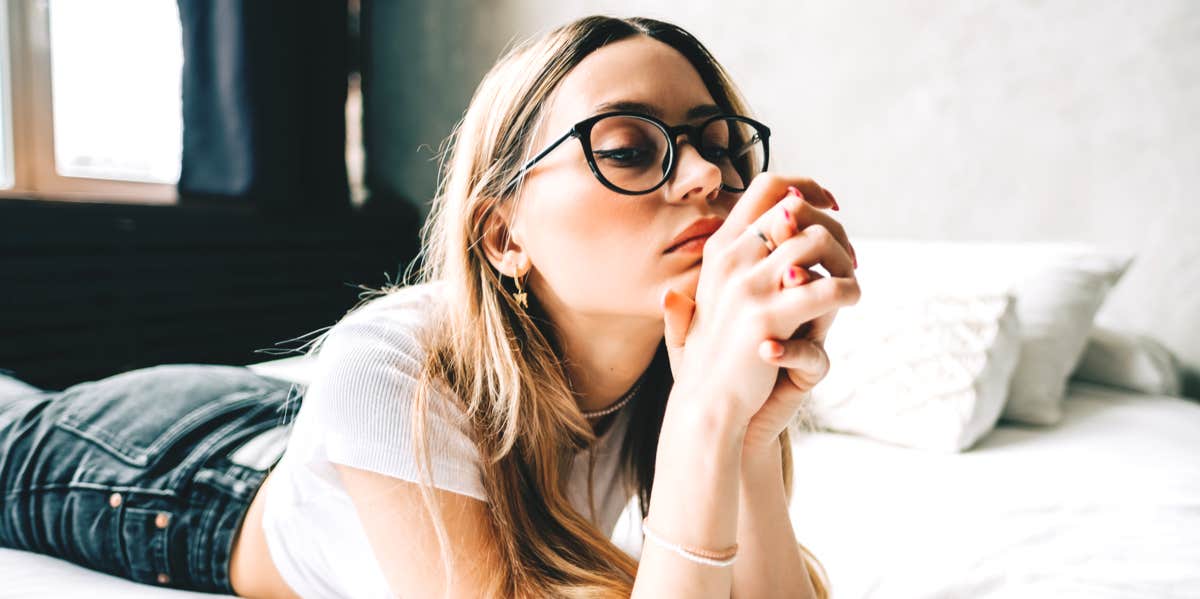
(801, 358)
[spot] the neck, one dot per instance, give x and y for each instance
(602, 373)
(604, 356)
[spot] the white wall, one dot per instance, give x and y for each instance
(996, 119)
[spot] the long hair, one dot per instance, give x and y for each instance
(501, 362)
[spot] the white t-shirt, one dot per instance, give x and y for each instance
(356, 412)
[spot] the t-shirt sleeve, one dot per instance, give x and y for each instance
(365, 381)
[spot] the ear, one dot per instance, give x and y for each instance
(502, 249)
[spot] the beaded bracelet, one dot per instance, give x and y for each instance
(701, 556)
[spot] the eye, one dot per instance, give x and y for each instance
(628, 156)
(714, 152)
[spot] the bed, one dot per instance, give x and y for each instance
(916, 485)
(1105, 504)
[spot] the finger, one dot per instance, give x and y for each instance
(818, 328)
(678, 310)
(777, 224)
(815, 194)
(765, 190)
(791, 214)
(795, 275)
(797, 354)
(814, 245)
(798, 215)
(812, 300)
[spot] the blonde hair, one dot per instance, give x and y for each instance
(501, 362)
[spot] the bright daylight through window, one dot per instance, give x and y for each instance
(115, 80)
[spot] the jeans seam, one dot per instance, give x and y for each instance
(201, 451)
(110, 442)
(196, 551)
(86, 486)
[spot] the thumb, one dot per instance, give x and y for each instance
(678, 310)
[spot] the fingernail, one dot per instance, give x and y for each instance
(833, 200)
(773, 348)
(855, 261)
(793, 274)
(787, 216)
(794, 191)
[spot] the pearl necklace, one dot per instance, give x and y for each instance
(589, 414)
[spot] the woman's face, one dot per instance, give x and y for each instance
(596, 252)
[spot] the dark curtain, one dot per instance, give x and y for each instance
(264, 95)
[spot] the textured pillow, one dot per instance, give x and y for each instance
(1129, 360)
(1058, 286)
(928, 372)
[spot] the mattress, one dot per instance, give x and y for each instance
(1106, 504)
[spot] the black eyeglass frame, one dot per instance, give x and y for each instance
(583, 130)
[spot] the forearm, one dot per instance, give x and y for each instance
(694, 501)
(769, 562)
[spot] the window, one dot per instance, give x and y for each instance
(6, 166)
(94, 91)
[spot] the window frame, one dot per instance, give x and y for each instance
(30, 120)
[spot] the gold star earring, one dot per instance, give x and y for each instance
(521, 296)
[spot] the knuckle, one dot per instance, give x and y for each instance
(825, 290)
(800, 209)
(722, 257)
(840, 292)
(819, 233)
(839, 228)
(767, 179)
(743, 283)
(853, 292)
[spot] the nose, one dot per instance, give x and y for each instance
(694, 175)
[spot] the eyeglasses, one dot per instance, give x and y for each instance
(634, 153)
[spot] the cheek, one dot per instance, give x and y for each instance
(590, 246)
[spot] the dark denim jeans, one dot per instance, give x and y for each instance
(131, 475)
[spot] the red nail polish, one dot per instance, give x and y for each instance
(832, 200)
(796, 192)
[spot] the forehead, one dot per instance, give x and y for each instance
(637, 69)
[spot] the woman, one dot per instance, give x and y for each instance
(605, 306)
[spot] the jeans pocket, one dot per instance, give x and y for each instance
(142, 416)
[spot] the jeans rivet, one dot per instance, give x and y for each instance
(114, 500)
(162, 519)
(163, 578)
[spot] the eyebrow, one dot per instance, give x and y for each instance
(695, 112)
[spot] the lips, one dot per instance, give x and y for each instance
(702, 227)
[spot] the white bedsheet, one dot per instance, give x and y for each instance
(1105, 505)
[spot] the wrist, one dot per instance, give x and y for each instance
(704, 417)
(761, 455)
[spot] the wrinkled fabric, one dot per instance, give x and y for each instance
(131, 475)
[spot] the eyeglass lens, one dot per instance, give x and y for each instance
(633, 153)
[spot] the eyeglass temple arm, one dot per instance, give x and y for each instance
(516, 176)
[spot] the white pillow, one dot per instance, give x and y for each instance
(929, 372)
(1129, 361)
(1058, 286)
